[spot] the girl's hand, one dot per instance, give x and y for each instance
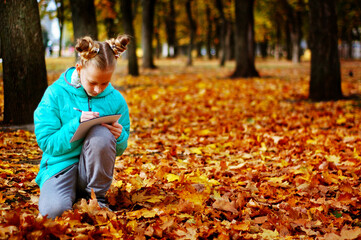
(88, 115)
(115, 128)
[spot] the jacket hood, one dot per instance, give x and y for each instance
(65, 82)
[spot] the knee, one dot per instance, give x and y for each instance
(54, 208)
(100, 138)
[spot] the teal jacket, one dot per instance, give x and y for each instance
(56, 122)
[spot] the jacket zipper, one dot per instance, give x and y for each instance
(89, 103)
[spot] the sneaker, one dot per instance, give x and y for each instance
(104, 205)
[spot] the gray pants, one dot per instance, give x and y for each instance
(94, 171)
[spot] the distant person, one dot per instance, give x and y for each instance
(50, 48)
(68, 171)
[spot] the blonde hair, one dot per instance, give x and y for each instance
(101, 54)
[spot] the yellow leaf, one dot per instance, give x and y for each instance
(145, 213)
(141, 197)
(196, 198)
(196, 151)
(184, 215)
(204, 132)
(214, 182)
(333, 158)
(269, 234)
(2, 200)
(243, 226)
(172, 177)
(263, 147)
(132, 225)
(118, 184)
(216, 195)
(6, 171)
(155, 199)
(129, 170)
(148, 166)
(311, 141)
(341, 120)
(129, 187)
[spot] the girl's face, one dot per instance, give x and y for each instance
(94, 80)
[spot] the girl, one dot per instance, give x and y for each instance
(68, 171)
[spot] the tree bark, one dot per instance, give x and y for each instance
(245, 61)
(288, 40)
(158, 51)
(228, 42)
(109, 22)
(264, 47)
(84, 19)
(296, 34)
(24, 69)
(217, 42)
(223, 33)
(209, 32)
(170, 25)
(61, 19)
(278, 49)
(325, 83)
(147, 32)
(126, 9)
(193, 29)
(293, 29)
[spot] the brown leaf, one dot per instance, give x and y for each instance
(225, 204)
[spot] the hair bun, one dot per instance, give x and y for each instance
(119, 44)
(87, 48)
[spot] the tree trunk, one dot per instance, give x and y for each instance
(24, 70)
(84, 19)
(147, 32)
(228, 42)
(295, 39)
(193, 29)
(296, 34)
(245, 62)
(209, 32)
(110, 26)
(170, 25)
(263, 47)
(61, 18)
(199, 46)
(349, 43)
(126, 9)
(223, 32)
(157, 37)
(217, 41)
(278, 42)
(325, 83)
(293, 29)
(288, 40)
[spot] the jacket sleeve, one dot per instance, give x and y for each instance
(52, 135)
(122, 141)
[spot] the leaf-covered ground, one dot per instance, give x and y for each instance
(211, 158)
